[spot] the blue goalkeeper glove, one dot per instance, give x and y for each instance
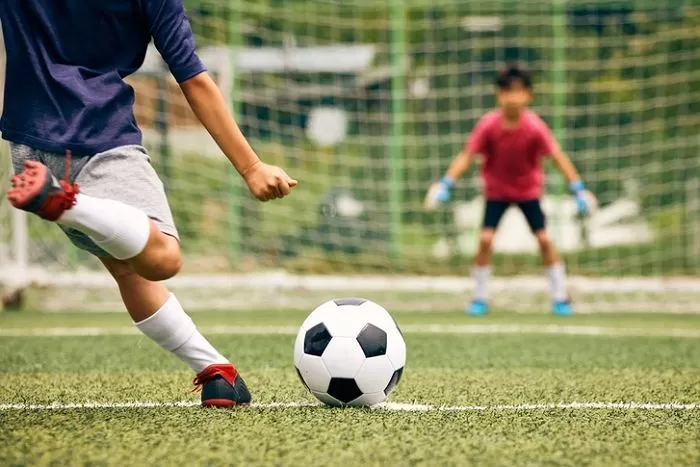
(579, 191)
(439, 193)
(444, 192)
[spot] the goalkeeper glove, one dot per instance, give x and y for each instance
(579, 192)
(444, 192)
(439, 193)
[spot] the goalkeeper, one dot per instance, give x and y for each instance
(512, 142)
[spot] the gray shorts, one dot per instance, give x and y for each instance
(121, 174)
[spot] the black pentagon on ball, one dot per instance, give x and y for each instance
(316, 340)
(395, 378)
(344, 389)
(372, 340)
(349, 301)
(302, 379)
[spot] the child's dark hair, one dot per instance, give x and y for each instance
(512, 73)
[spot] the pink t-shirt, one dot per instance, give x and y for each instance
(512, 166)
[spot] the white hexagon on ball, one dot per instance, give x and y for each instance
(379, 315)
(343, 357)
(375, 374)
(396, 348)
(360, 348)
(313, 373)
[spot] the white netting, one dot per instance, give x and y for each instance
(366, 102)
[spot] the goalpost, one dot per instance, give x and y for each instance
(366, 103)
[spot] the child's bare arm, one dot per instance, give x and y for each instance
(265, 181)
(576, 186)
(439, 192)
(459, 165)
(565, 166)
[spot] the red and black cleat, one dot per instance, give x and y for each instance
(36, 190)
(222, 386)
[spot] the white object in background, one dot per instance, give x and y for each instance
(327, 126)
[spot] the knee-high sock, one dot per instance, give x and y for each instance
(119, 229)
(557, 282)
(171, 328)
(481, 276)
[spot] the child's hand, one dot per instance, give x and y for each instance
(584, 198)
(439, 193)
(268, 182)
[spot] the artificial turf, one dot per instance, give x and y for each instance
(488, 368)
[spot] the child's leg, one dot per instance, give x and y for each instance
(122, 209)
(123, 217)
(158, 314)
(481, 271)
(554, 269)
(126, 233)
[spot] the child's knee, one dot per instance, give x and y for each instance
(543, 240)
(486, 240)
(160, 261)
(169, 260)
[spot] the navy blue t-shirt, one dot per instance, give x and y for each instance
(66, 61)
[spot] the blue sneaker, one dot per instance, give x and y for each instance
(563, 308)
(477, 308)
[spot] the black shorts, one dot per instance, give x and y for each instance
(532, 210)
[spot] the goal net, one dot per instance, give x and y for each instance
(365, 103)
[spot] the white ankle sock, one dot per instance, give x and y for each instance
(171, 328)
(557, 282)
(481, 276)
(119, 229)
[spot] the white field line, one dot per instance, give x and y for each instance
(409, 329)
(392, 406)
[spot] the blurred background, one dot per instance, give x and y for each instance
(365, 103)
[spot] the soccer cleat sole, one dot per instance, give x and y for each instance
(28, 186)
(220, 403)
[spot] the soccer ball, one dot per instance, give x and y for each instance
(350, 351)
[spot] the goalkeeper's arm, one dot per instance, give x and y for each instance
(440, 192)
(459, 165)
(576, 186)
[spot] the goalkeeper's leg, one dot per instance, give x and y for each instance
(554, 269)
(158, 314)
(481, 270)
(556, 274)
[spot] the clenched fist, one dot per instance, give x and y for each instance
(268, 182)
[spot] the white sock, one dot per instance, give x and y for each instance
(481, 276)
(557, 282)
(171, 328)
(119, 229)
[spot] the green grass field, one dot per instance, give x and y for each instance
(475, 392)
